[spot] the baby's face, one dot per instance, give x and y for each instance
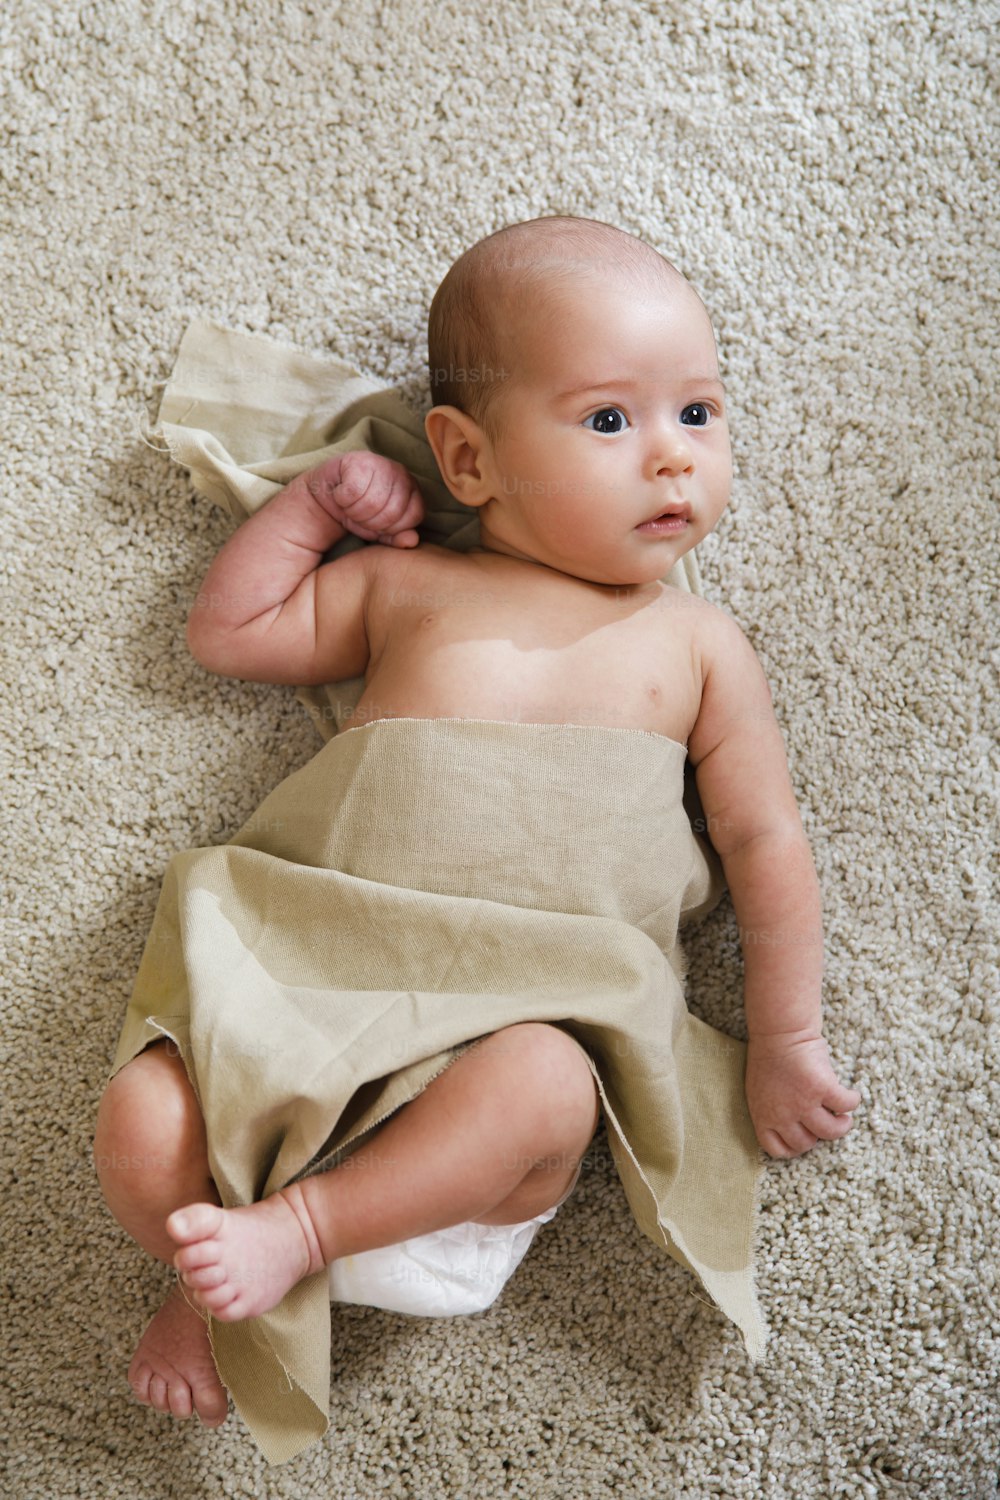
(614, 416)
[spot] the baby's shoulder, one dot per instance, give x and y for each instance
(711, 627)
(420, 576)
(724, 663)
(427, 557)
(389, 564)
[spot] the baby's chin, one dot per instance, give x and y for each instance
(615, 578)
(652, 565)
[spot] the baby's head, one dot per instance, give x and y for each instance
(509, 289)
(566, 357)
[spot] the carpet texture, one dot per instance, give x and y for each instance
(825, 172)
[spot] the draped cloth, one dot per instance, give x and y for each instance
(418, 884)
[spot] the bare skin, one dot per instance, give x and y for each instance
(499, 634)
(173, 1369)
(151, 1155)
(611, 462)
(496, 1138)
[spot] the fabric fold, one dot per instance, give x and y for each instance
(419, 884)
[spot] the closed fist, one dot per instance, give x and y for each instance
(376, 499)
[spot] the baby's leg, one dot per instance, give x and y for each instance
(496, 1138)
(150, 1149)
(151, 1157)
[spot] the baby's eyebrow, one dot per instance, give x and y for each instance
(618, 382)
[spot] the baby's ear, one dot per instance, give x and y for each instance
(460, 447)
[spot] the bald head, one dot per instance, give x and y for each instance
(518, 278)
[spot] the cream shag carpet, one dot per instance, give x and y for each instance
(825, 172)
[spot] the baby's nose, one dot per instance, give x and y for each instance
(671, 452)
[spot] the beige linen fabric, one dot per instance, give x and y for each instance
(418, 884)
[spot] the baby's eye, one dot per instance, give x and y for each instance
(610, 419)
(696, 415)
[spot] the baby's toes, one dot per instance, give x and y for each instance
(169, 1394)
(140, 1378)
(211, 1403)
(202, 1278)
(199, 1221)
(156, 1393)
(227, 1305)
(179, 1397)
(219, 1300)
(204, 1256)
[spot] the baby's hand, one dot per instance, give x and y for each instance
(794, 1096)
(376, 499)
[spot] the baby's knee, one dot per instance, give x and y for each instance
(554, 1066)
(547, 1048)
(149, 1112)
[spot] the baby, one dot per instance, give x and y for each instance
(579, 410)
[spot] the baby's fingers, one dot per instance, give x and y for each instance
(794, 1140)
(402, 531)
(797, 1137)
(371, 487)
(841, 1100)
(409, 538)
(829, 1125)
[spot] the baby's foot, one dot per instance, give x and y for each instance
(239, 1262)
(173, 1369)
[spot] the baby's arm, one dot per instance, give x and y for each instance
(742, 774)
(269, 609)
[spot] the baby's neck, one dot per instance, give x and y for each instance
(523, 560)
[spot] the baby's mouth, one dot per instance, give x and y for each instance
(671, 520)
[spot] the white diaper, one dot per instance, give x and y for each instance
(462, 1269)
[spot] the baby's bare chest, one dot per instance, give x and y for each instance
(512, 644)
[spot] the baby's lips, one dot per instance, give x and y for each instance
(671, 511)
